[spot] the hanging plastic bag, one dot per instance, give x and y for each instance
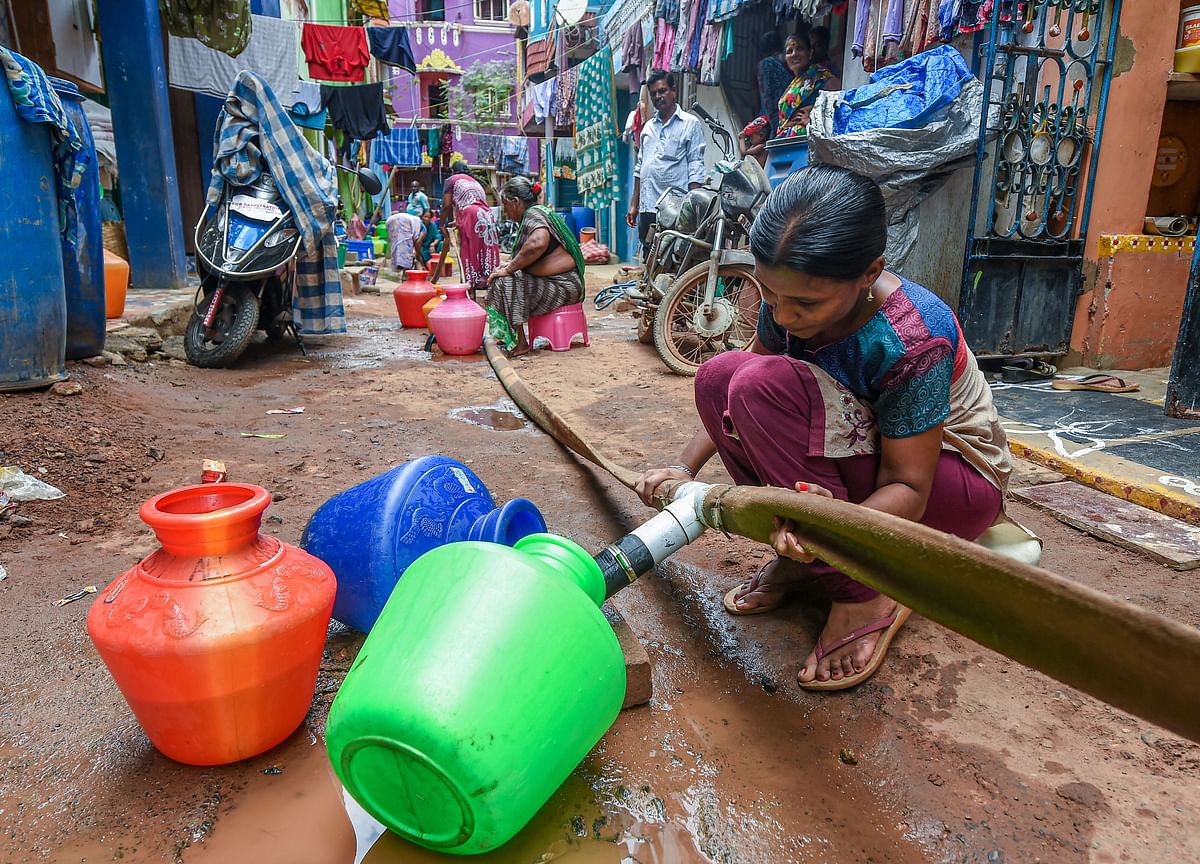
(19, 486)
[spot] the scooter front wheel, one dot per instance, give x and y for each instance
(232, 326)
(685, 337)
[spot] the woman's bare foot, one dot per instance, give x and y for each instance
(767, 586)
(521, 348)
(850, 659)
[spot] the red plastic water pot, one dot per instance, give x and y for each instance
(215, 639)
(411, 295)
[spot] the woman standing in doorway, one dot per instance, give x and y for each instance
(464, 205)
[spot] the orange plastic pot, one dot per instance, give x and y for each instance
(432, 304)
(116, 284)
(215, 639)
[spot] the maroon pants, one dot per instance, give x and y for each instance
(761, 412)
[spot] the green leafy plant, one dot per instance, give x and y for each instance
(481, 98)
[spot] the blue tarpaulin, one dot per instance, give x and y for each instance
(904, 96)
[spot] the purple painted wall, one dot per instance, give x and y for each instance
(463, 40)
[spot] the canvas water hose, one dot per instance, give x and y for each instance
(1132, 658)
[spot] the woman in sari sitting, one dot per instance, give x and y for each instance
(546, 270)
(464, 204)
(812, 76)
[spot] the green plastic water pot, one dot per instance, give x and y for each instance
(489, 675)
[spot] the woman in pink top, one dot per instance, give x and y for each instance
(465, 206)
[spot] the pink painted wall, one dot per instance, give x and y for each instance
(1128, 316)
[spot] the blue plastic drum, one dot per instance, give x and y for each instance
(83, 263)
(33, 305)
(371, 533)
(785, 156)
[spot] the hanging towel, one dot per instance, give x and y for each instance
(390, 45)
(306, 110)
(223, 25)
(36, 102)
(252, 129)
(358, 111)
(271, 52)
(596, 131)
(633, 56)
(399, 146)
(335, 53)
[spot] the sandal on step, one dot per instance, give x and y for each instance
(1100, 382)
(1018, 370)
(890, 625)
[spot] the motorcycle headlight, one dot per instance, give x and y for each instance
(284, 236)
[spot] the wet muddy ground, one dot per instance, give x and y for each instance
(951, 753)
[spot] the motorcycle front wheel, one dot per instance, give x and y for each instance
(232, 326)
(685, 337)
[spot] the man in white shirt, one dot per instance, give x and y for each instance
(671, 154)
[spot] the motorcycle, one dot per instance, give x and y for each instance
(246, 250)
(698, 294)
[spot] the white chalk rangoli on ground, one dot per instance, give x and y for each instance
(1088, 430)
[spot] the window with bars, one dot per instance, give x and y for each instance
(491, 10)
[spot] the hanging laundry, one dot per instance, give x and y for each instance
(596, 131)
(223, 25)
(633, 56)
(564, 97)
(711, 45)
(306, 110)
(514, 155)
(36, 102)
(878, 29)
(664, 43)
(433, 144)
(391, 46)
(358, 111)
(335, 53)
(543, 100)
(487, 149)
(271, 52)
(252, 123)
(922, 28)
(399, 146)
(667, 10)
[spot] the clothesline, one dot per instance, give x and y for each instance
(447, 8)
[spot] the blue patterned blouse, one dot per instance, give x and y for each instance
(901, 362)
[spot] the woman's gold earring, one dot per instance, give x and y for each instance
(871, 294)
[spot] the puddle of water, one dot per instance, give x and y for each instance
(503, 416)
(571, 827)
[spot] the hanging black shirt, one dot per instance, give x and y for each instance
(358, 110)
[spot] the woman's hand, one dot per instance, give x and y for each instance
(653, 478)
(783, 538)
(498, 273)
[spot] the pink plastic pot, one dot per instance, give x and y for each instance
(458, 322)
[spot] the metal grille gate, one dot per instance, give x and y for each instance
(1047, 73)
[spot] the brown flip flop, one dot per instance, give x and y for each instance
(1100, 383)
(890, 626)
(730, 599)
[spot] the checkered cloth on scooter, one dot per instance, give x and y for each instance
(252, 124)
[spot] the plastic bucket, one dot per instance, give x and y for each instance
(489, 676)
(1187, 54)
(785, 156)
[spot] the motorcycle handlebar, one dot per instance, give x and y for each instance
(697, 108)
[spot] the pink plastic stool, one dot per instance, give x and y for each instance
(560, 327)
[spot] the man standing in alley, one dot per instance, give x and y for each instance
(418, 201)
(671, 154)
